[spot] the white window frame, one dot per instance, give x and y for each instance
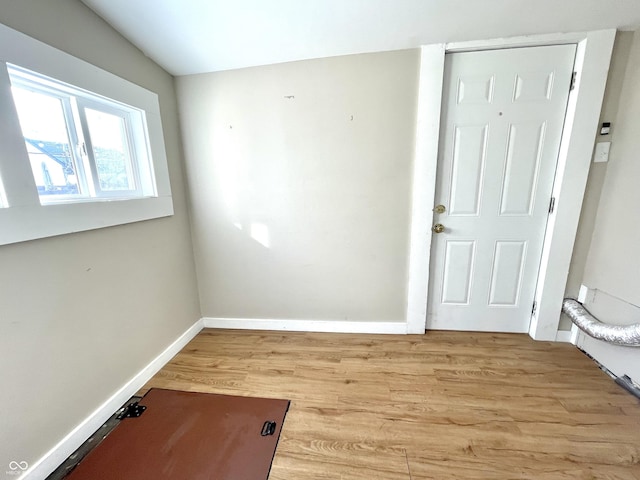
(137, 161)
(22, 216)
(66, 107)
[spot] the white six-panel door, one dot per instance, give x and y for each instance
(502, 120)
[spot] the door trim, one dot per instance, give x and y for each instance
(581, 121)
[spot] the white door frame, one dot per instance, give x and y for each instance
(581, 122)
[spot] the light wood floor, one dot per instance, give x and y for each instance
(446, 405)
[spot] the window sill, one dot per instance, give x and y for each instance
(30, 222)
(53, 200)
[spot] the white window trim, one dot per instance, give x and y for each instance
(592, 64)
(24, 218)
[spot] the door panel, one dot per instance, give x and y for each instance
(506, 273)
(533, 87)
(475, 89)
(524, 152)
(502, 119)
(458, 267)
(469, 152)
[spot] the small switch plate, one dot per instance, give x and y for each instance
(601, 153)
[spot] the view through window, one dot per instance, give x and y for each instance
(79, 145)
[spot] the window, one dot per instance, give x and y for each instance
(80, 148)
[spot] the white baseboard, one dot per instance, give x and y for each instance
(331, 326)
(574, 334)
(582, 294)
(564, 336)
(69, 444)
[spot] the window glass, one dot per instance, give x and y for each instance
(111, 151)
(44, 127)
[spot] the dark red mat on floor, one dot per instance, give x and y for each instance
(188, 435)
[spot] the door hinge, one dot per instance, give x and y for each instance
(572, 85)
(133, 410)
(552, 204)
(533, 308)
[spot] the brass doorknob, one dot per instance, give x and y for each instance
(439, 209)
(438, 228)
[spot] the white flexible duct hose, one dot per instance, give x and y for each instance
(626, 335)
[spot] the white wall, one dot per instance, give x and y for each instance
(81, 314)
(318, 155)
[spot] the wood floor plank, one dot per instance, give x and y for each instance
(445, 405)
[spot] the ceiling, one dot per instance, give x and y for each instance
(197, 36)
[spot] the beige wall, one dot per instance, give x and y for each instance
(613, 264)
(597, 171)
(318, 154)
(81, 314)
